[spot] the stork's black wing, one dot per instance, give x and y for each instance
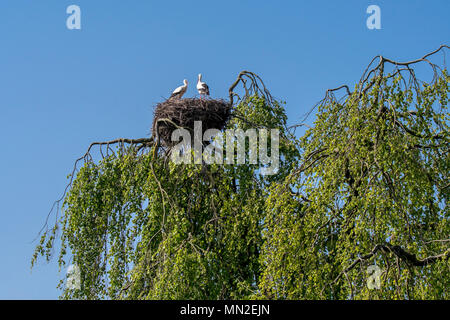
(206, 88)
(175, 94)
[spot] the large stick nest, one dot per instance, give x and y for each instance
(181, 113)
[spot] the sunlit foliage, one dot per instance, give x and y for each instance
(367, 184)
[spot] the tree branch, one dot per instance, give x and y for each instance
(401, 253)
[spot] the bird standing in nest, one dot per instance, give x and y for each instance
(180, 91)
(202, 87)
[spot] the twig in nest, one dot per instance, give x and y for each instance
(173, 114)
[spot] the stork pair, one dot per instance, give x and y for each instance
(202, 89)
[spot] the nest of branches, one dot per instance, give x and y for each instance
(174, 114)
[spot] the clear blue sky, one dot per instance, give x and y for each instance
(61, 89)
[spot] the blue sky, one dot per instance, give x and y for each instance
(61, 89)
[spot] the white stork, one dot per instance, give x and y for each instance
(178, 92)
(202, 87)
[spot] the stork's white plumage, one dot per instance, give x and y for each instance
(180, 91)
(202, 87)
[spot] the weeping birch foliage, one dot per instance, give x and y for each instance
(366, 185)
